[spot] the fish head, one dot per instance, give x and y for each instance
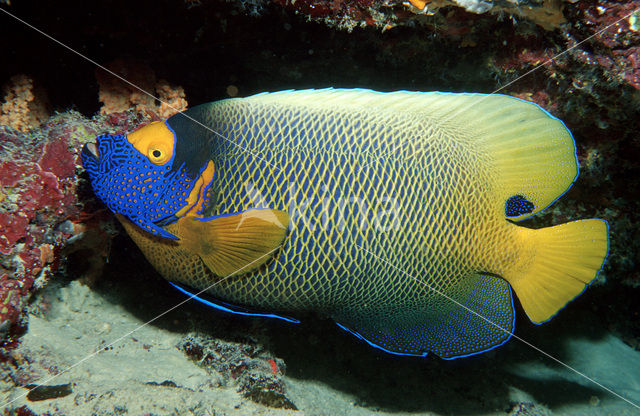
(151, 176)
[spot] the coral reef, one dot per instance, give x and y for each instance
(117, 95)
(516, 47)
(38, 187)
(24, 107)
(51, 223)
(386, 14)
(615, 45)
(528, 409)
(171, 99)
(46, 211)
(596, 54)
(257, 374)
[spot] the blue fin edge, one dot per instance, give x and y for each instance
(374, 345)
(510, 333)
(150, 227)
(229, 214)
(228, 308)
(514, 219)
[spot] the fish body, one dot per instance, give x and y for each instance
(392, 213)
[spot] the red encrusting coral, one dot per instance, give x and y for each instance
(42, 207)
(592, 61)
(386, 14)
(38, 182)
(599, 37)
(613, 45)
(344, 14)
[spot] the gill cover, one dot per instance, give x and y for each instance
(150, 176)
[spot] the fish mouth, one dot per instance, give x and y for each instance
(91, 150)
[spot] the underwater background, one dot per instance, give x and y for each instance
(77, 295)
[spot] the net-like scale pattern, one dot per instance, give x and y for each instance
(392, 223)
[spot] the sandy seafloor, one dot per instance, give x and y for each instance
(328, 372)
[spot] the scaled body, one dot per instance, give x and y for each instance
(394, 214)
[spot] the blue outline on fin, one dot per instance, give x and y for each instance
(158, 232)
(229, 214)
(374, 345)
(227, 309)
(575, 155)
(509, 333)
(575, 149)
(604, 261)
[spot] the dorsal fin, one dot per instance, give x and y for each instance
(533, 153)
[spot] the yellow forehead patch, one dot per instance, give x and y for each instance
(155, 141)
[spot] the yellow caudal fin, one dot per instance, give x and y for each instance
(234, 244)
(565, 259)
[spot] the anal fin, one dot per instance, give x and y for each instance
(477, 319)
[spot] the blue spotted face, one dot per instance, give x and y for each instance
(145, 177)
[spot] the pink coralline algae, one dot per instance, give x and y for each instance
(615, 45)
(37, 180)
(386, 14)
(589, 66)
(601, 45)
(41, 204)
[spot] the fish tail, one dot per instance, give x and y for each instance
(563, 261)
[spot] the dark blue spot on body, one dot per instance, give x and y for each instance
(518, 205)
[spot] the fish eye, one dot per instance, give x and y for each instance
(157, 154)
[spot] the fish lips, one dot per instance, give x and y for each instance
(91, 159)
(90, 150)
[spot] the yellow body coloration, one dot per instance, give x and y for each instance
(396, 211)
(195, 201)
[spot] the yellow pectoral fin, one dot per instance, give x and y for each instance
(234, 244)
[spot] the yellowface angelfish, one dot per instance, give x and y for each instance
(392, 213)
